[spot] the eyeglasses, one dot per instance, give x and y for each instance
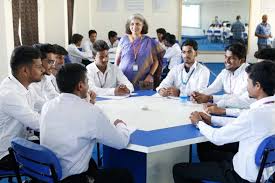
(51, 62)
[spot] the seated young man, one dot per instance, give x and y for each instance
(173, 52)
(106, 78)
(249, 129)
(233, 105)
(112, 41)
(17, 101)
(160, 37)
(59, 61)
(72, 137)
(45, 88)
(87, 45)
(78, 54)
(232, 80)
(187, 77)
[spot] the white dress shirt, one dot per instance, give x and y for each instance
(53, 81)
(114, 45)
(87, 47)
(250, 129)
(16, 112)
(196, 79)
(234, 104)
(162, 45)
(45, 88)
(231, 82)
(72, 137)
(221, 120)
(76, 55)
(105, 83)
(173, 55)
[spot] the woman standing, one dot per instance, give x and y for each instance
(137, 54)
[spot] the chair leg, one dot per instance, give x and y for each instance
(10, 179)
(99, 160)
(15, 165)
(273, 178)
(190, 153)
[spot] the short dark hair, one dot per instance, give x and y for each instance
(138, 17)
(60, 50)
(69, 76)
(111, 34)
(100, 45)
(264, 73)
(190, 42)
(238, 17)
(23, 55)
(170, 38)
(45, 49)
(92, 32)
(266, 53)
(76, 38)
(161, 31)
(237, 49)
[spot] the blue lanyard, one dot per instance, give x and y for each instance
(185, 83)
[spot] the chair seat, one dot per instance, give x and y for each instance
(5, 173)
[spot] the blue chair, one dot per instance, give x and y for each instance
(67, 59)
(10, 174)
(36, 161)
(265, 155)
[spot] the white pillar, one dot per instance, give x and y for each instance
(6, 37)
(54, 29)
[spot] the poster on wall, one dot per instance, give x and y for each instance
(107, 5)
(160, 5)
(267, 5)
(134, 5)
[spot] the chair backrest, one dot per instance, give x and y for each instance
(209, 32)
(67, 59)
(217, 32)
(36, 161)
(265, 155)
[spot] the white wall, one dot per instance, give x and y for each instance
(256, 12)
(53, 23)
(103, 21)
(226, 11)
(82, 17)
(6, 37)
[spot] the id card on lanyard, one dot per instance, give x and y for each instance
(136, 50)
(186, 81)
(104, 78)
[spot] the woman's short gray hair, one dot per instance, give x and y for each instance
(138, 17)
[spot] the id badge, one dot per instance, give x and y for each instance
(135, 67)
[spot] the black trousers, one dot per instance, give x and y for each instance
(208, 171)
(101, 175)
(208, 151)
(6, 163)
(263, 46)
